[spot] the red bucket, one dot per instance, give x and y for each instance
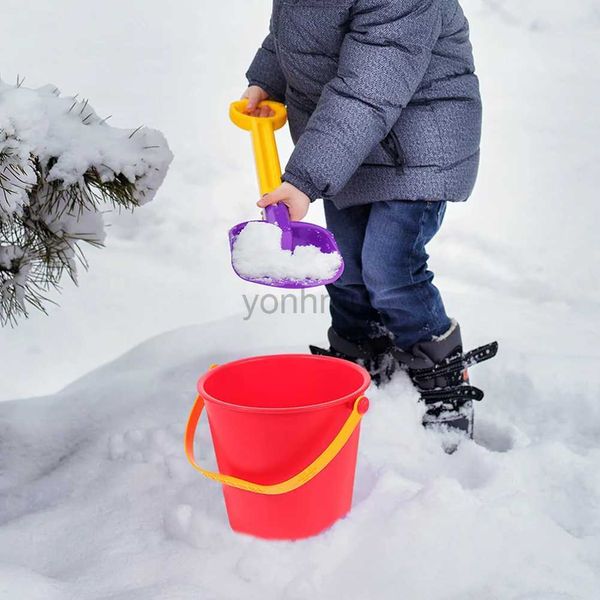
(285, 431)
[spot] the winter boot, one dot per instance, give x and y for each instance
(439, 371)
(375, 354)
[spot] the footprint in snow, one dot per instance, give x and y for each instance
(498, 437)
(161, 446)
(199, 526)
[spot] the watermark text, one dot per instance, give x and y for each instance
(292, 304)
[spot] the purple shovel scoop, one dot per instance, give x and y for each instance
(293, 233)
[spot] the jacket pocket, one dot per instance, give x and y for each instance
(384, 154)
(417, 134)
(393, 148)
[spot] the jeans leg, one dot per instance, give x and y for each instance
(352, 315)
(395, 269)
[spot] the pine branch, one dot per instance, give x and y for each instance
(48, 256)
(42, 238)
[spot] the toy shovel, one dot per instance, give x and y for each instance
(268, 169)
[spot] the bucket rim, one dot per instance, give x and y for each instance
(350, 398)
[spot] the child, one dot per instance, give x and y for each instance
(384, 109)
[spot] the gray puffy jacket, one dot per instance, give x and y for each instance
(382, 99)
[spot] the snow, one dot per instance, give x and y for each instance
(10, 254)
(96, 499)
(18, 274)
(97, 477)
(68, 137)
(52, 149)
(257, 254)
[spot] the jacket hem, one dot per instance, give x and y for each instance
(374, 183)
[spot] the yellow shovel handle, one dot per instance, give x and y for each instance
(360, 407)
(262, 129)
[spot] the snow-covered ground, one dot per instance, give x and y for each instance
(99, 501)
(96, 500)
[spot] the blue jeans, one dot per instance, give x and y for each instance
(386, 284)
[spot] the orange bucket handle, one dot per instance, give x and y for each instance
(360, 407)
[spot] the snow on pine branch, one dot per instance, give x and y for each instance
(60, 166)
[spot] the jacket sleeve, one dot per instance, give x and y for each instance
(382, 61)
(266, 72)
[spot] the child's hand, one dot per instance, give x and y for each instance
(256, 95)
(296, 201)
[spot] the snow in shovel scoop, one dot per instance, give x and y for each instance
(257, 254)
